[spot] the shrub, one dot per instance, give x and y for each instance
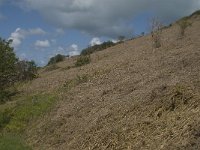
(195, 13)
(5, 117)
(68, 85)
(183, 24)
(121, 38)
(83, 60)
(4, 96)
(27, 70)
(156, 31)
(56, 59)
(95, 48)
(51, 67)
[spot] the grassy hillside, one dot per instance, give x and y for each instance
(128, 96)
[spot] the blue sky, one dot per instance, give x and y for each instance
(41, 29)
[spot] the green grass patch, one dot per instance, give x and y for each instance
(68, 85)
(26, 110)
(12, 142)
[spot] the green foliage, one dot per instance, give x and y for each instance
(26, 110)
(82, 60)
(5, 117)
(4, 96)
(51, 67)
(183, 24)
(14, 119)
(95, 48)
(195, 13)
(12, 142)
(68, 85)
(27, 70)
(121, 38)
(7, 64)
(56, 59)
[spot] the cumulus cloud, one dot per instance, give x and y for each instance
(74, 50)
(37, 31)
(95, 41)
(17, 36)
(71, 50)
(20, 34)
(107, 17)
(114, 40)
(42, 44)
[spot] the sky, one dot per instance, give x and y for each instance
(40, 29)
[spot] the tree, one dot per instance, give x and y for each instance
(56, 59)
(7, 64)
(96, 48)
(121, 38)
(27, 70)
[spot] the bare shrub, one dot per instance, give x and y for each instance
(156, 31)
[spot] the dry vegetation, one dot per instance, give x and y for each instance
(128, 97)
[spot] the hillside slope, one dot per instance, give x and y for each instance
(130, 96)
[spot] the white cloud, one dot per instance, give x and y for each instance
(114, 41)
(95, 41)
(37, 31)
(71, 50)
(107, 17)
(17, 36)
(42, 44)
(20, 34)
(74, 50)
(60, 50)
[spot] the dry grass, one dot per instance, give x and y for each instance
(134, 97)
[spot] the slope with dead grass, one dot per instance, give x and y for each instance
(130, 96)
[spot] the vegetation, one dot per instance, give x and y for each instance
(15, 119)
(8, 72)
(121, 38)
(195, 13)
(76, 81)
(52, 67)
(156, 31)
(12, 142)
(8, 62)
(27, 109)
(27, 70)
(12, 70)
(183, 24)
(82, 60)
(56, 59)
(95, 48)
